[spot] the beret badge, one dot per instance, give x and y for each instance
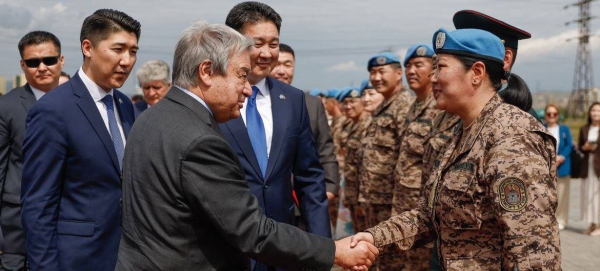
(440, 39)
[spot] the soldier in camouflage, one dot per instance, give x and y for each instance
(381, 143)
(418, 66)
(490, 201)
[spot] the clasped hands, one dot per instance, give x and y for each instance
(351, 253)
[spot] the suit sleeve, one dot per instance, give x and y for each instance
(4, 148)
(215, 186)
(309, 181)
(326, 156)
(525, 165)
(44, 158)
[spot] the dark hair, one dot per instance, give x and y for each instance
(65, 74)
(136, 98)
(494, 70)
(517, 93)
(38, 37)
(589, 119)
(284, 48)
(251, 12)
(104, 22)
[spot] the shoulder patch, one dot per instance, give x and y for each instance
(513, 196)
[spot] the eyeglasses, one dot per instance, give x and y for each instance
(35, 62)
(551, 114)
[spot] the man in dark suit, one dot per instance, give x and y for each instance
(272, 138)
(73, 150)
(186, 203)
(155, 80)
(41, 62)
(284, 72)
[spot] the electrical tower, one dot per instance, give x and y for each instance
(583, 80)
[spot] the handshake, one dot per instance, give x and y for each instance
(351, 253)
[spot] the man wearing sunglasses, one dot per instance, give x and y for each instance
(41, 63)
(73, 150)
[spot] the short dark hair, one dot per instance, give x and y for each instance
(251, 12)
(38, 37)
(284, 48)
(104, 22)
(65, 74)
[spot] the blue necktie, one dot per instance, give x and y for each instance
(115, 134)
(256, 131)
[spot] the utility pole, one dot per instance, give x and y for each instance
(583, 80)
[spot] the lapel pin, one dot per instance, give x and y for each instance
(281, 97)
(120, 101)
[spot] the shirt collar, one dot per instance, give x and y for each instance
(96, 91)
(195, 97)
(37, 93)
(262, 87)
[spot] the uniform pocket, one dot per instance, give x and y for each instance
(460, 210)
(78, 228)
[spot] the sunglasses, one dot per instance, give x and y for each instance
(35, 62)
(551, 114)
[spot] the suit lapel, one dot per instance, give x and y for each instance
(28, 99)
(125, 122)
(90, 110)
(279, 109)
(240, 134)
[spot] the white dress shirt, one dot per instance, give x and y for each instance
(263, 103)
(97, 94)
(37, 93)
(193, 96)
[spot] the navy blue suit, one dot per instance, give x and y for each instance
(293, 150)
(71, 185)
(139, 107)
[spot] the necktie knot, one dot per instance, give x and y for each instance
(254, 92)
(108, 101)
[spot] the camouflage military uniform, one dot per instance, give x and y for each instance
(407, 174)
(491, 197)
(379, 157)
(351, 190)
(336, 129)
(441, 133)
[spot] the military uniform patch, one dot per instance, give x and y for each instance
(513, 196)
(421, 51)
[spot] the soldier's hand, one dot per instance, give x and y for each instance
(357, 257)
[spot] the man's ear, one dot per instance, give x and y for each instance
(205, 72)
(508, 59)
(86, 48)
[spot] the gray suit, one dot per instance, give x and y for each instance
(187, 205)
(13, 114)
(322, 133)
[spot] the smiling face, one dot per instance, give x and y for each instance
(109, 62)
(265, 52)
(385, 79)
(284, 70)
(371, 100)
(43, 77)
(228, 92)
(450, 84)
(353, 108)
(417, 71)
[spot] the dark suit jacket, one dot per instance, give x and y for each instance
(293, 150)
(187, 205)
(13, 112)
(71, 186)
(322, 133)
(583, 136)
(139, 107)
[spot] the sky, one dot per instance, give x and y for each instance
(332, 39)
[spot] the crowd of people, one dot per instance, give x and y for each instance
(222, 164)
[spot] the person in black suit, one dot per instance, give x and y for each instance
(284, 72)
(72, 154)
(155, 80)
(186, 202)
(42, 63)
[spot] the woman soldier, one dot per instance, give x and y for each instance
(491, 197)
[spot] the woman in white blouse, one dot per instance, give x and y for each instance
(590, 170)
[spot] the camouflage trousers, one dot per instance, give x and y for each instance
(391, 259)
(359, 216)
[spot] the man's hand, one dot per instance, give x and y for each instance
(361, 236)
(330, 196)
(358, 257)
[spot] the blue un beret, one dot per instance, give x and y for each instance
(331, 93)
(418, 50)
(315, 92)
(381, 59)
(366, 84)
(469, 42)
(349, 92)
